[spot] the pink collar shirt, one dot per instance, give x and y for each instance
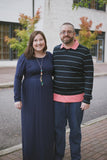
(69, 98)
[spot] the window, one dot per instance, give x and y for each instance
(97, 51)
(4, 49)
(7, 29)
(93, 5)
(76, 1)
(93, 50)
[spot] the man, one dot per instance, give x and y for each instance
(73, 81)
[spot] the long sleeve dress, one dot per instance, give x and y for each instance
(37, 113)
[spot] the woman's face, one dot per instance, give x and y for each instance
(38, 43)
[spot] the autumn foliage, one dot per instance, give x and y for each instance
(19, 42)
(86, 37)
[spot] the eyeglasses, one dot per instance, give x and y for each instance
(67, 32)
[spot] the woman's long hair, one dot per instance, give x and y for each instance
(29, 52)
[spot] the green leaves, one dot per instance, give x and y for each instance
(85, 3)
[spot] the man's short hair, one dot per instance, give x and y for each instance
(68, 23)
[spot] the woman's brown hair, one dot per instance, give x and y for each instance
(29, 52)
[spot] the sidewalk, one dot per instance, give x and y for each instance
(94, 142)
(7, 73)
(7, 76)
(100, 69)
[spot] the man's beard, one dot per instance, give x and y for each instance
(67, 41)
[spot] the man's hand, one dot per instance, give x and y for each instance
(84, 106)
(18, 105)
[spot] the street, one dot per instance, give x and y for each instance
(10, 123)
(10, 130)
(98, 105)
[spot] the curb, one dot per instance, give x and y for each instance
(11, 84)
(11, 149)
(18, 147)
(94, 121)
(91, 122)
(7, 85)
(100, 74)
(8, 63)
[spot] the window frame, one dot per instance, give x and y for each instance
(97, 7)
(11, 54)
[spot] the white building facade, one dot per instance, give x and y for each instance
(53, 14)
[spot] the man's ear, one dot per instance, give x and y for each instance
(74, 34)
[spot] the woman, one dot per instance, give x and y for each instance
(34, 96)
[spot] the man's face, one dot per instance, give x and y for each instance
(67, 34)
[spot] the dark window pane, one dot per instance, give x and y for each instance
(76, 1)
(7, 29)
(93, 50)
(93, 5)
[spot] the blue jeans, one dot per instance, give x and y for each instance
(73, 113)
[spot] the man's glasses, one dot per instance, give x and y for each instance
(66, 32)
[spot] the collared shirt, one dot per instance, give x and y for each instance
(75, 45)
(69, 98)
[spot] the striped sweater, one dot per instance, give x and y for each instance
(73, 72)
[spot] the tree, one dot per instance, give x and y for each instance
(85, 3)
(86, 37)
(22, 35)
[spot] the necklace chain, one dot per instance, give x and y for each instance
(41, 71)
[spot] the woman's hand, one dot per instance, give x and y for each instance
(18, 105)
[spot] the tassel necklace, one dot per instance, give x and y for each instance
(41, 71)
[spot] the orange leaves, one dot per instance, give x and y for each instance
(86, 36)
(97, 28)
(6, 39)
(25, 20)
(37, 16)
(85, 24)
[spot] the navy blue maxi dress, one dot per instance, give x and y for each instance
(37, 107)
